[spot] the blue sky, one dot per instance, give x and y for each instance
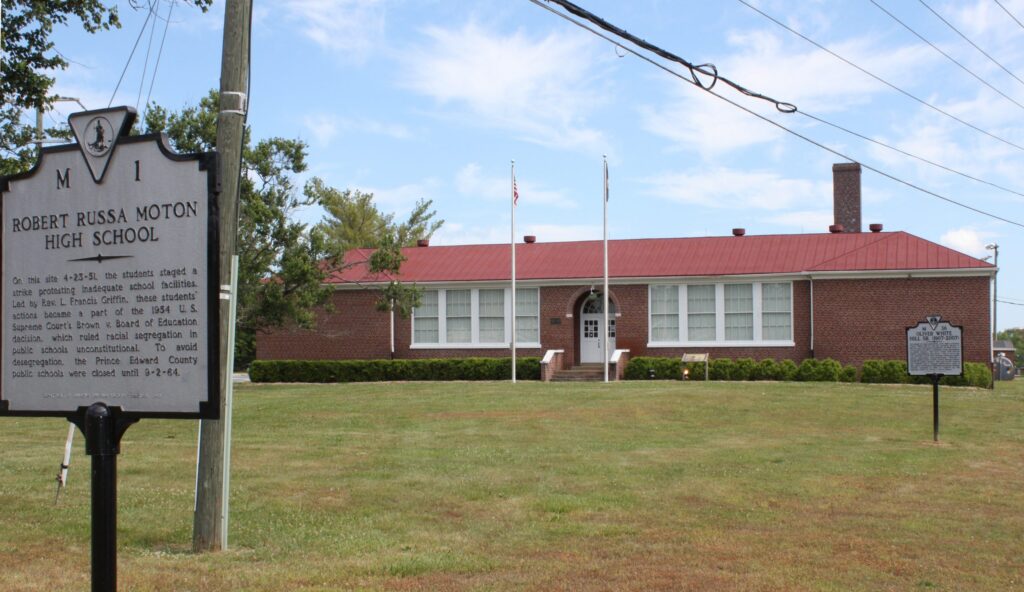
(413, 99)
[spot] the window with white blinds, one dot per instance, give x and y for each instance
(425, 322)
(723, 314)
(492, 316)
(458, 316)
(527, 315)
(664, 313)
(476, 317)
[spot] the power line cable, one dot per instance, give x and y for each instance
(965, 38)
(1009, 13)
(130, 56)
(153, 7)
(1010, 303)
(159, 54)
(705, 69)
(948, 57)
(911, 155)
(763, 118)
(879, 78)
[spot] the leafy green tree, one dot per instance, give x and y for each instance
(281, 262)
(354, 222)
(29, 59)
(1015, 335)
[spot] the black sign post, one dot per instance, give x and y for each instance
(103, 427)
(109, 291)
(935, 348)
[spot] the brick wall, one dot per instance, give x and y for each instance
(857, 320)
(846, 195)
(354, 330)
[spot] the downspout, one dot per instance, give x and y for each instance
(392, 307)
(812, 315)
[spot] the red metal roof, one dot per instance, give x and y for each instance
(670, 257)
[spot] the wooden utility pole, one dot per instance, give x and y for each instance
(208, 530)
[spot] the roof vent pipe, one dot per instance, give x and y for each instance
(739, 231)
(835, 228)
(423, 242)
(529, 239)
(875, 227)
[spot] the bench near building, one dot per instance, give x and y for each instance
(845, 294)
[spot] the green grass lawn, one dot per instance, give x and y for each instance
(542, 487)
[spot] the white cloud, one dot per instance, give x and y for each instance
(813, 80)
(471, 182)
(347, 28)
(966, 240)
(697, 121)
(726, 188)
(541, 89)
(325, 127)
(401, 199)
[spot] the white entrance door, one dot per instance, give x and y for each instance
(591, 319)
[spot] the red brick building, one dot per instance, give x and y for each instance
(844, 294)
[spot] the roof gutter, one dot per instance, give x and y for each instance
(753, 277)
(901, 273)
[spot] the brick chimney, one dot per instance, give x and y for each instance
(846, 195)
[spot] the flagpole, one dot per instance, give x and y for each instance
(512, 245)
(605, 290)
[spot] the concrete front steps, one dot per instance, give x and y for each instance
(581, 373)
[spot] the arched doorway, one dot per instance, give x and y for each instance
(591, 320)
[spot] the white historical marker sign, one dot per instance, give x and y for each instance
(935, 347)
(110, 276)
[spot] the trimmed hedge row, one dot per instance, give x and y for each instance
(742, 369)
(895, 371)
(392, 370)
(809, 370)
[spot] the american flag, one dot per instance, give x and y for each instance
(515, 192)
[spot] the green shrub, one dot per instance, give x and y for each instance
(743, 369)
(829, 370)
(975, 374)
(814, 370)
(884, 372)
(639, 368)
(696, 370)
(807, 370)
(849, 374)
(327, 371)
(721, 369)
(787, 370)
(767, 369)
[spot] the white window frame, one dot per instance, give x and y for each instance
(761, 301)
(720, 341)
(519, 313)
(474, 342)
